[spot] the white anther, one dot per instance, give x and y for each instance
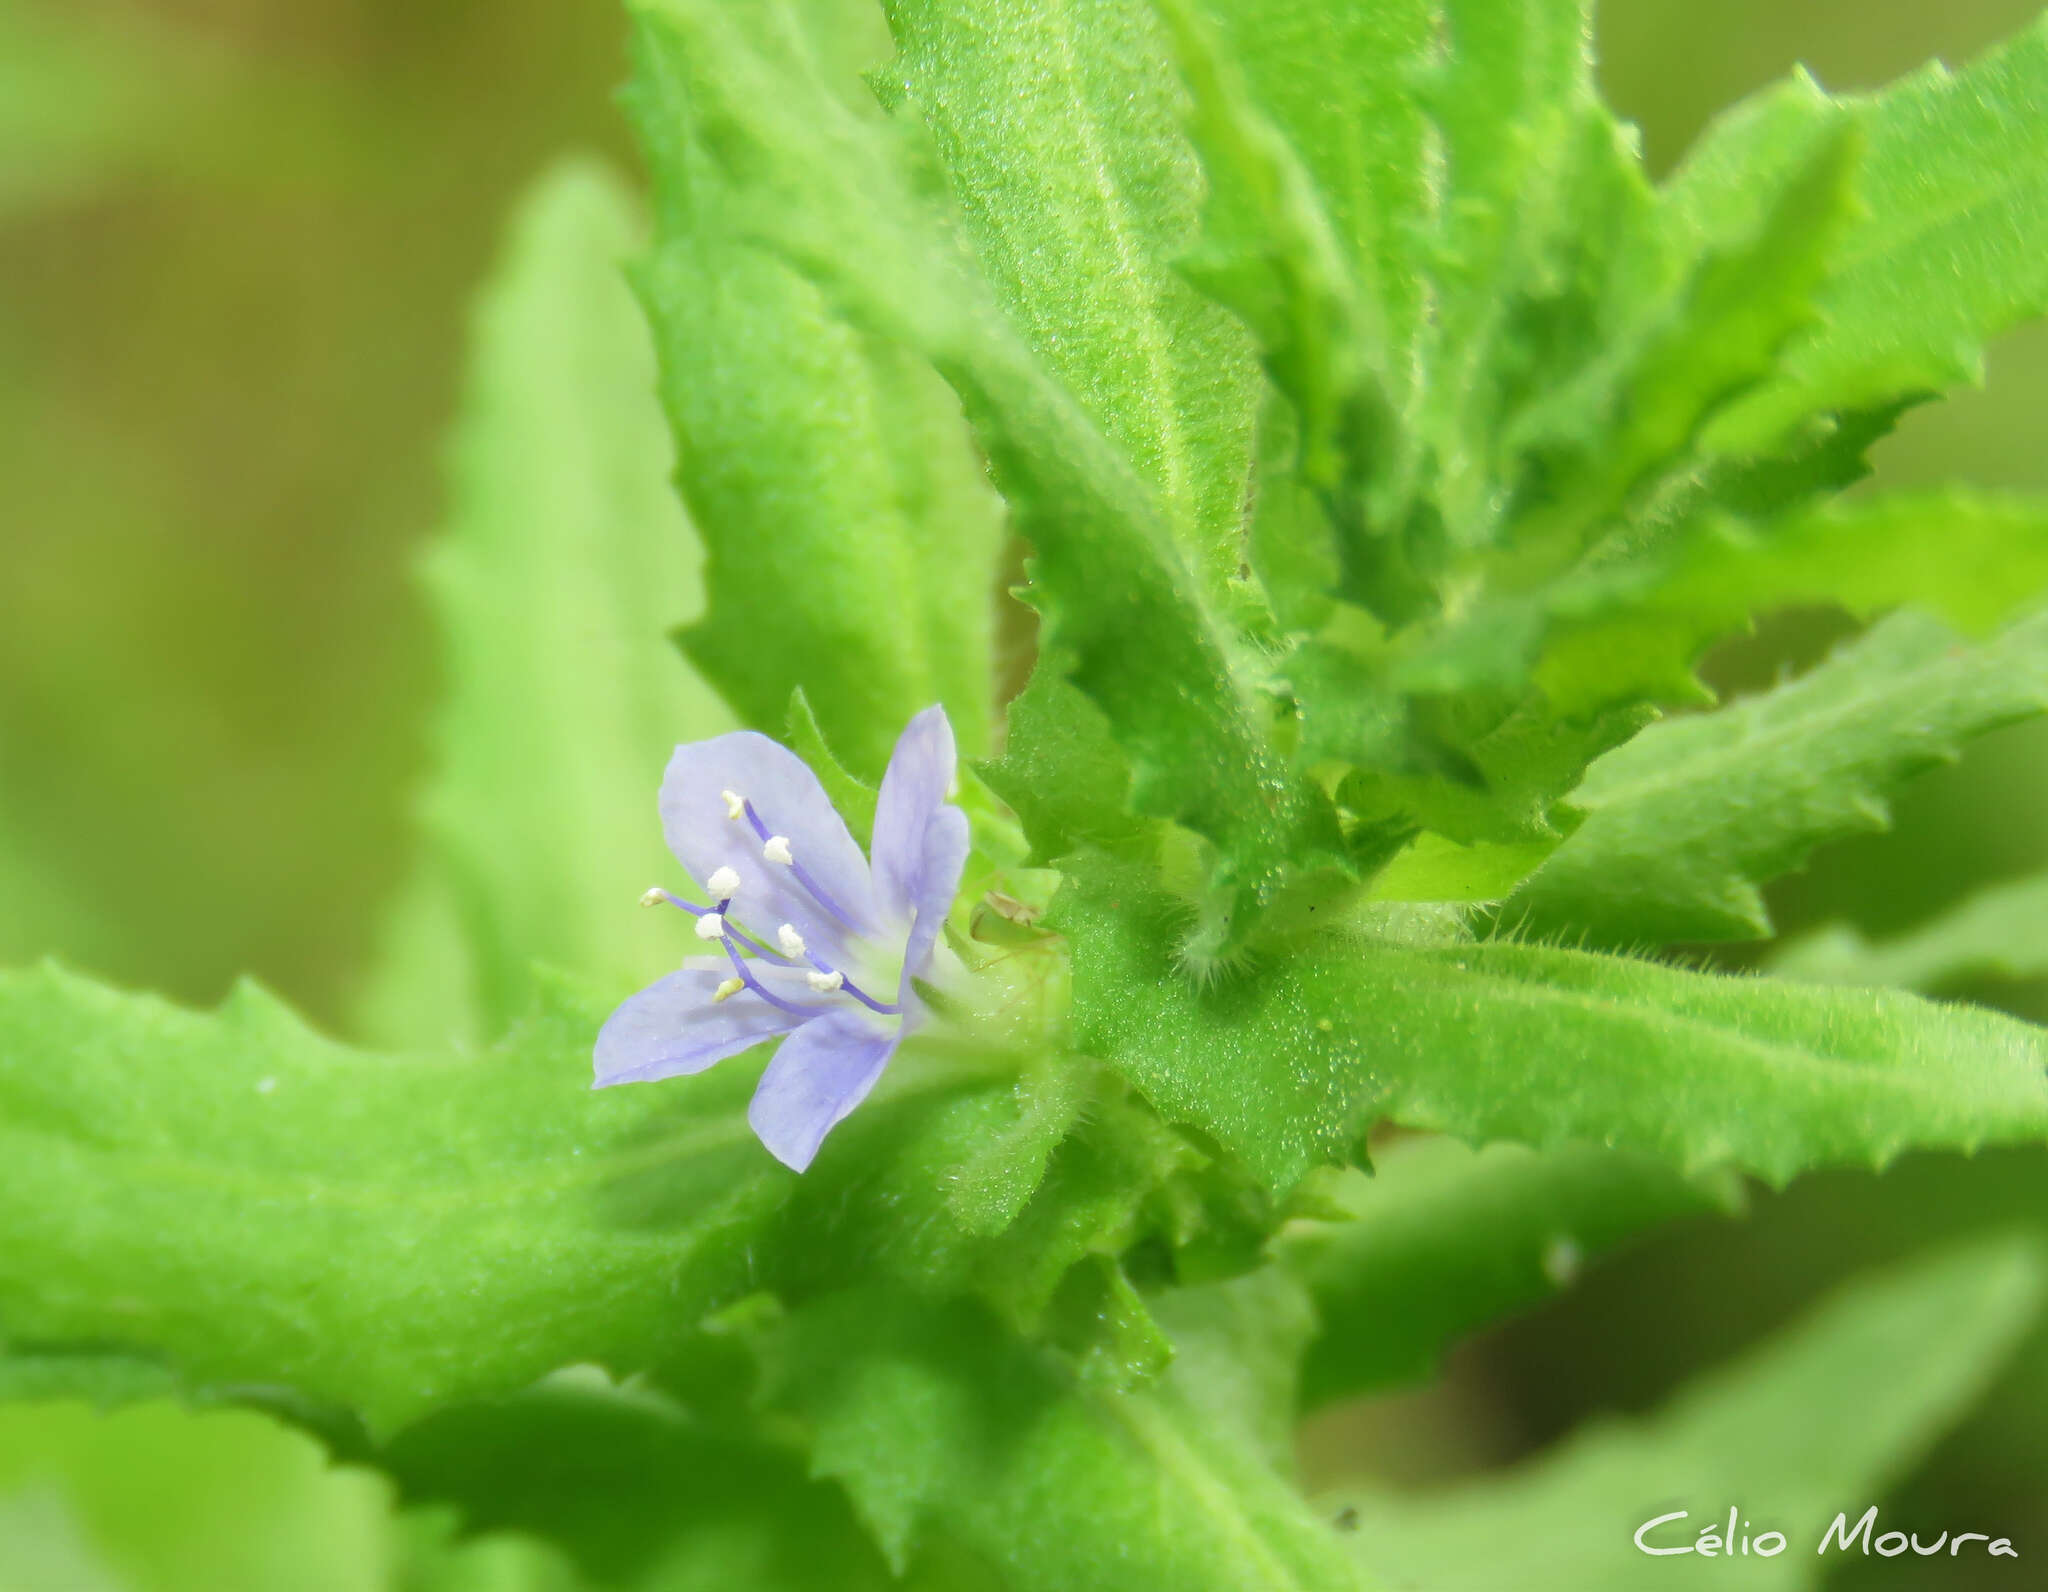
(728, 989)
(654, 897)
(777, 850)
(792, 943)
(723, 883)
(711, 926)
(826, 983)
(735, 805)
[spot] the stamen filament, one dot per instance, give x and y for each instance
(657, 896)
(854, 989)
(802, 874)
(739, 966)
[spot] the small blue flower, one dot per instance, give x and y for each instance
(812, 942)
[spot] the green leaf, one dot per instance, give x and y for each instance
(1435, 869)
(387, 1233)
(940, 1426)
(851, 539)
(1270, 253)
(635, 1492)
(1688, 819)
(1237, 1355)
(1820, 1419)
(157, 1496)
(1541, 199)
(564, 560)
(1637, 629)
(997, 1189)
(1286, 1068)
(1122, 613)
(104, 1380)
(1637, 406)
(2000, 932)
(1605, 444)
(1953, 248)
(1057, 127)
(392, 1234)
(1463, 1239)
(1062, 772)
(854, 798)
(1335, 82)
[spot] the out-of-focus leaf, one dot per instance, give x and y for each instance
(157, 1497)
(2000, 932)
(1952, 247)
(102, 1380)
(940, 1426)
(1435, 869)
(1444, 1240)
(638, 1494)
(1820, 1419)
(1286, 1068)
(1688, 819)
(1237, 1354)
(565, 559)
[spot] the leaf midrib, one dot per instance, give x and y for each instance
(1121, 226)
(1897, 1071)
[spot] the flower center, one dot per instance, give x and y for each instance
(715, 923)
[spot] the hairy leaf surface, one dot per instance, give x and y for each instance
(850, 536)
(243, 1201)
(935, 1422)
(1058, 129)
(1953, 246)
(1287, 1069)
(1688, 819)
(1638, 628)
(1123, 613)
(637, 1493)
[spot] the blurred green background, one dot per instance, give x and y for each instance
(237, 239)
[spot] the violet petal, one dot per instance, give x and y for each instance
(792, 803)
(822, 1072)
(943, 858)
(914, 788)
(674, 1027)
